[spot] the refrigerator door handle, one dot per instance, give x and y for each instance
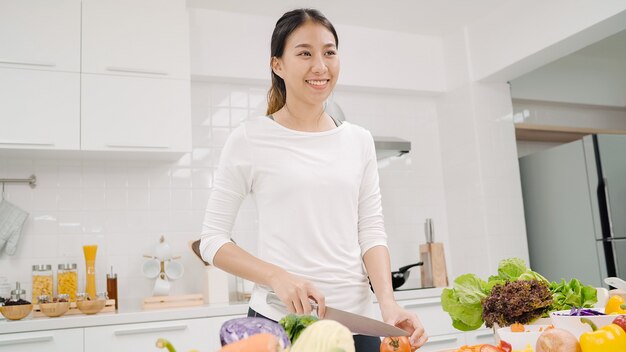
(608, 206)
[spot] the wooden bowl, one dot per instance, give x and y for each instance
(16, 312)
(91, 307)
(55, 309)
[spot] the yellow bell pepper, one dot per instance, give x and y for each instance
(615, 305)
(610, 338)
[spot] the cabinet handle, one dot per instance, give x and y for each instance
(442, 339)
(26, 143)
(21, 340)
(135, 70)
(422, 304)
(135, 331)
(29, 63)
(484, 334)
(137, 146)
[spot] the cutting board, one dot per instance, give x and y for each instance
(433, 272)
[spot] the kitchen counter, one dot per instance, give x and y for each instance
(134, 314)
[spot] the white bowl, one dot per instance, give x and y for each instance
(520, 340)
(562, 320)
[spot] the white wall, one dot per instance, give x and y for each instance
(233, 45)
(523, 35)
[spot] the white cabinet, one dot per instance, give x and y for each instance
(432, 316)
(136, 37)
(135, 113)
(480, 336)
(39, 109)
(443, 342)
(201, 334)
(65, 340)
(132, 92)
(40, 34)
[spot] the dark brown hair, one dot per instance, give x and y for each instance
(289, 22)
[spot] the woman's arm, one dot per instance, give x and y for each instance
(292, 290)
(378, 267)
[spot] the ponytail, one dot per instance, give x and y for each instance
(277, 95)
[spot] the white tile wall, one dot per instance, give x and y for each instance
(125, 206)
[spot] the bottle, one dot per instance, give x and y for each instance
(42, 281)
(90, 273)
(67, 280)
(112, 287)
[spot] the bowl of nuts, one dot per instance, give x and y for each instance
(55, 307)
(90, 305)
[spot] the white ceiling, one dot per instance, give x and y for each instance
(434, 17)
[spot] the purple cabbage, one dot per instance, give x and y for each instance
(237, 329)
(582, 312)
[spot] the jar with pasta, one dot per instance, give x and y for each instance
(42, 281)
(67, 280)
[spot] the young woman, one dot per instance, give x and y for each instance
(315, 184)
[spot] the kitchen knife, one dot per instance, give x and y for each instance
(357, 324)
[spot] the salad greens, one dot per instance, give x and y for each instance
(464, 301)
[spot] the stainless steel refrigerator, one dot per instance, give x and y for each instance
(575, 207)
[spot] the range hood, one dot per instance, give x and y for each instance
(385, 146)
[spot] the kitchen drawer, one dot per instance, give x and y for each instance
(65, 340)
(443, 342)
(480, 336)
(435, 320)
(201, 334)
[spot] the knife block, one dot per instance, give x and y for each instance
(433, 272)
(215, 285)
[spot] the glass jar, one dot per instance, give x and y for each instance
(42, 281)
(67, 280)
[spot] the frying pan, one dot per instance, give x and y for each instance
(398, 278)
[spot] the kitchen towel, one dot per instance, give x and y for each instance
(12, 219)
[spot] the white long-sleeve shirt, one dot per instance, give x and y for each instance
(318, 201)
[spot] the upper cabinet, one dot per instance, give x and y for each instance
(114, 76)
(138, 37)
(40, 34)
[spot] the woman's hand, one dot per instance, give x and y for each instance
(395, 315)
(295, 293)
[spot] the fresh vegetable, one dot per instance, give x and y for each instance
(557, 340)
(240, 328)
(519, 301)
(615, 305)
(502, 347)
(620, 321)
(395, 344)
(163, 343)
(609, 338)
(517, 327)
(464, 302)
(581, 312)
(324, 336)
(262, 342)
(294, 324)
(567, 295)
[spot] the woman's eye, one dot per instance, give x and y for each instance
(331, 52)
(304, 53)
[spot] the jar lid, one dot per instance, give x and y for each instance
(42, 267)
(43, 299)
(67, 266)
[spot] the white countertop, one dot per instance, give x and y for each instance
(137, 315)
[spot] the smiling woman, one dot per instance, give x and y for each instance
(315, 183)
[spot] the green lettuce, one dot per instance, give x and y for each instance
(463, 302)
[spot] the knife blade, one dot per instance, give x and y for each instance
(356, 323)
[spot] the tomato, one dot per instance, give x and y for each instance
(395, 344)
(490, 348)
(505, 346)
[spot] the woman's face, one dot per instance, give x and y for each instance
(309, 65)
